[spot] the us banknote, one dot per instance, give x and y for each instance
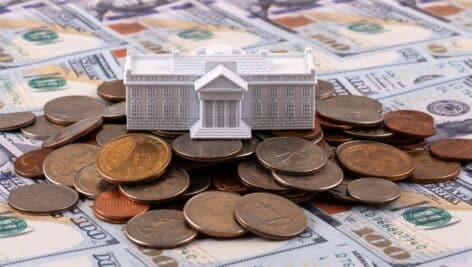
(450, 47)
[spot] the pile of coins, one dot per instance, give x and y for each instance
(167, 187)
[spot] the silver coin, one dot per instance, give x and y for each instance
(330, 176)
(88, 182)
(291, 155)
(324, 89)
(253, 175)
(115, 111)
(374, 134)
(16, 120)
(373, 190)
(109, 132)
(205, 150)
(73, 132)
(43, 198)
(41, 129)
(69, 109)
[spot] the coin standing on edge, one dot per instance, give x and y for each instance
(373, 190)
(205, 150)
(88, 182)
(30, 164)
(16, 120)
(69, 109)
(452, 149)
(73, 132)
(41, 129)
(254, 175)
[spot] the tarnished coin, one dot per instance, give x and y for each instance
(410, 123)
(200, 181)
(43, 198)
(73, 132)
(270, 216)
(112, 91)
(115, 111)
(329, 125)
(429, 169)
(350, 109)
(337, 138)
(372, 159)
(41, 129)
(16, 120)
(115, 207)
(373, 190)
(159, 229)
(168, 134)
(212, 212)
(340, 191)
(373, 134)
(319, 138)
(452, 149)
(61, 166)
(327, 178)
(305, 134)
(109, 132)
(205, 150)
(133, 158)
(170, 185)
(254, 175)
(249, 148)
(88, 182)
(30, 164)
(69, 109)
(226, 179)
(324, 89)
(330, 150)
(291, 155)
(296, 196)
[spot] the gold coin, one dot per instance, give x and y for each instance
(133, 158)
(429, 169)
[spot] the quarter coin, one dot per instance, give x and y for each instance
(43, 198)
(115, 112)
(88, 182)
(133, 158)
(452, 149)
(212, 212)
(16, 120)
(324, 89)
(41, 129)
(350, 109)
(73, 132)
(30, 164)
(291, 155)
(112, 90)
(159, 229)
(115, 207)
(410, 122)
(255, 176)
(429, 169)
(270, 216)
(205, 150)
(69, 109)
(109, 132)
(170, 185)
(373, 190)
(61, 165)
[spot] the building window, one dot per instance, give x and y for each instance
(134, 93)
(306, 108)
(220, 113)
(167, 93)
(167, 109)
(258, 108)
(257, 93)
(273, 92)
(232, 114)
(184, 110)
(289, 93)
(208, 114)
(273, 109)
(306, 92)
(152, 93)
(151, 108)
(134, 109)
(183, 93)
(289, 109)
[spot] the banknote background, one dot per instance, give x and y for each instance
(409, 54)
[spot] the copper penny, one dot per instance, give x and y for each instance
(429, 169)
(16, 120)
(73, 132)
(30, 164)
(212, 214)
(108, 220)
(41, 129)
(337, 138)
(205, 150)
(373, 190)
(410, 123)
(112, 90)
(69, 109)
(200, 181)
(452, 149)
(227, 179)
(305, 134)
(113, 206)
(327, 124)
(270, 216)
(296, 196)
(253, 175)
(324, 89)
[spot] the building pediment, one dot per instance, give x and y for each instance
(220, 79)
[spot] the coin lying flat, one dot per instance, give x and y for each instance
(170, 185)
(30, 164)
(43, 198)
(249, 148)
(168, 134)
(61, 165)
(296, 196)
(305, 134)
(452, 149)
(350, 109)
(115, 111)
(88, 182)
(69, 109)
(270, 216)
(373, 190)
(340, 191)
(115, 207)
(429, 169)
(73, 132)
(373, 134)
(41, 129)
(329, 125)
(199, 181)
(160, 229)
(324, 89)
(212, 214)
(16, 120)
(372, 159)
(410, 123)
(227, 179)
(254, 175)
(109, 132)
(291, 155)
(328, 177)
(337, 138)
(205, 150)
(112, 90)
(133, 158)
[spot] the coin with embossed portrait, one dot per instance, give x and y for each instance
(69, 109)
(88, 182)
(410, 123)
(373, 190)
(115, 207)
(30, 164)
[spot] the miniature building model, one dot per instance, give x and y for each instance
(220, 92)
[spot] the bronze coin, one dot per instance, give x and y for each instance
(169, 186)
(452, 149)
(327, 178)
(305, 134)
(168, 134)
(16, 120)
(73, 132)
(340, 191)
(429, 169)
(200, 181)
(212, 212)
(69, 109)
(324, 89)
(115, 112)
(296, 196)
(30, 164)
(255, 176)
(113, 206)
(270, 216)
(88, 182)
(41, 129)
(410, 123)
(337, 138)
(205, 150)
(373, 134)
(108, 220)
(159, 229)
(112, 90)
(225, 178)
(373, 190)
(351, 110)
(319, 138)
(249, 148)
(412, 146)
(372, 159)
(327, 124)
(109, 132)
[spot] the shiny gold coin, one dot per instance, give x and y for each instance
(429, 169)
(133, 158)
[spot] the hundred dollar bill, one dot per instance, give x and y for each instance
(450, 47)
(40, 30)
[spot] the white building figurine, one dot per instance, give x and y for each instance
(220, 92)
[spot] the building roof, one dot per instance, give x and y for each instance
(219, 71)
